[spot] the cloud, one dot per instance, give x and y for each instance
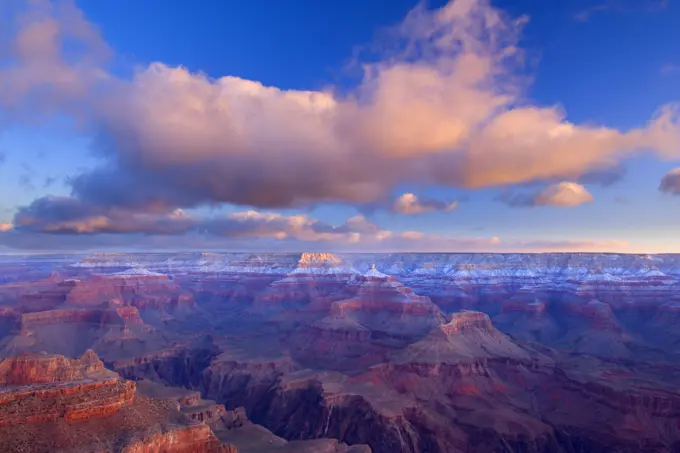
(670, 183)
(440, 104)
(81, 224)
(410, 204)
(66, 223)
(40, 76)
(71, 216)
(67, 215)
(563, 194)
(300, 227)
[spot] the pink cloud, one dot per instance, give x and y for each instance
(442, 109)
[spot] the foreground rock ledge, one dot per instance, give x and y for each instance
(49, 403)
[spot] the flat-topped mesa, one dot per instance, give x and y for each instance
(312, 259)
(467, 321)
(322, 265)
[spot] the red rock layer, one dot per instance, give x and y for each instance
(466, 321)
(27, 369)
(140, 291)
(73, 401)
(193, 439)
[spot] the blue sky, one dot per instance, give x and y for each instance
(610, 63)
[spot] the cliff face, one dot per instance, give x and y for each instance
(91, 409)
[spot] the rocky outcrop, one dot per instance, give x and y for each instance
(191, 439)
(91, 409)
(27, 369)
(111, 332)
(45, 387)
(71, 401)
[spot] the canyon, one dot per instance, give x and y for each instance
(320, 352)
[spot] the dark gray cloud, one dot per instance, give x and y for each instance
(67, 215)
(71, 216)
(670, 183)
(604, 177)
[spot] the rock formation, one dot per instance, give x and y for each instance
(549, 353)
(52, 403)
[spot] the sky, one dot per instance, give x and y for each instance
(389, 125)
